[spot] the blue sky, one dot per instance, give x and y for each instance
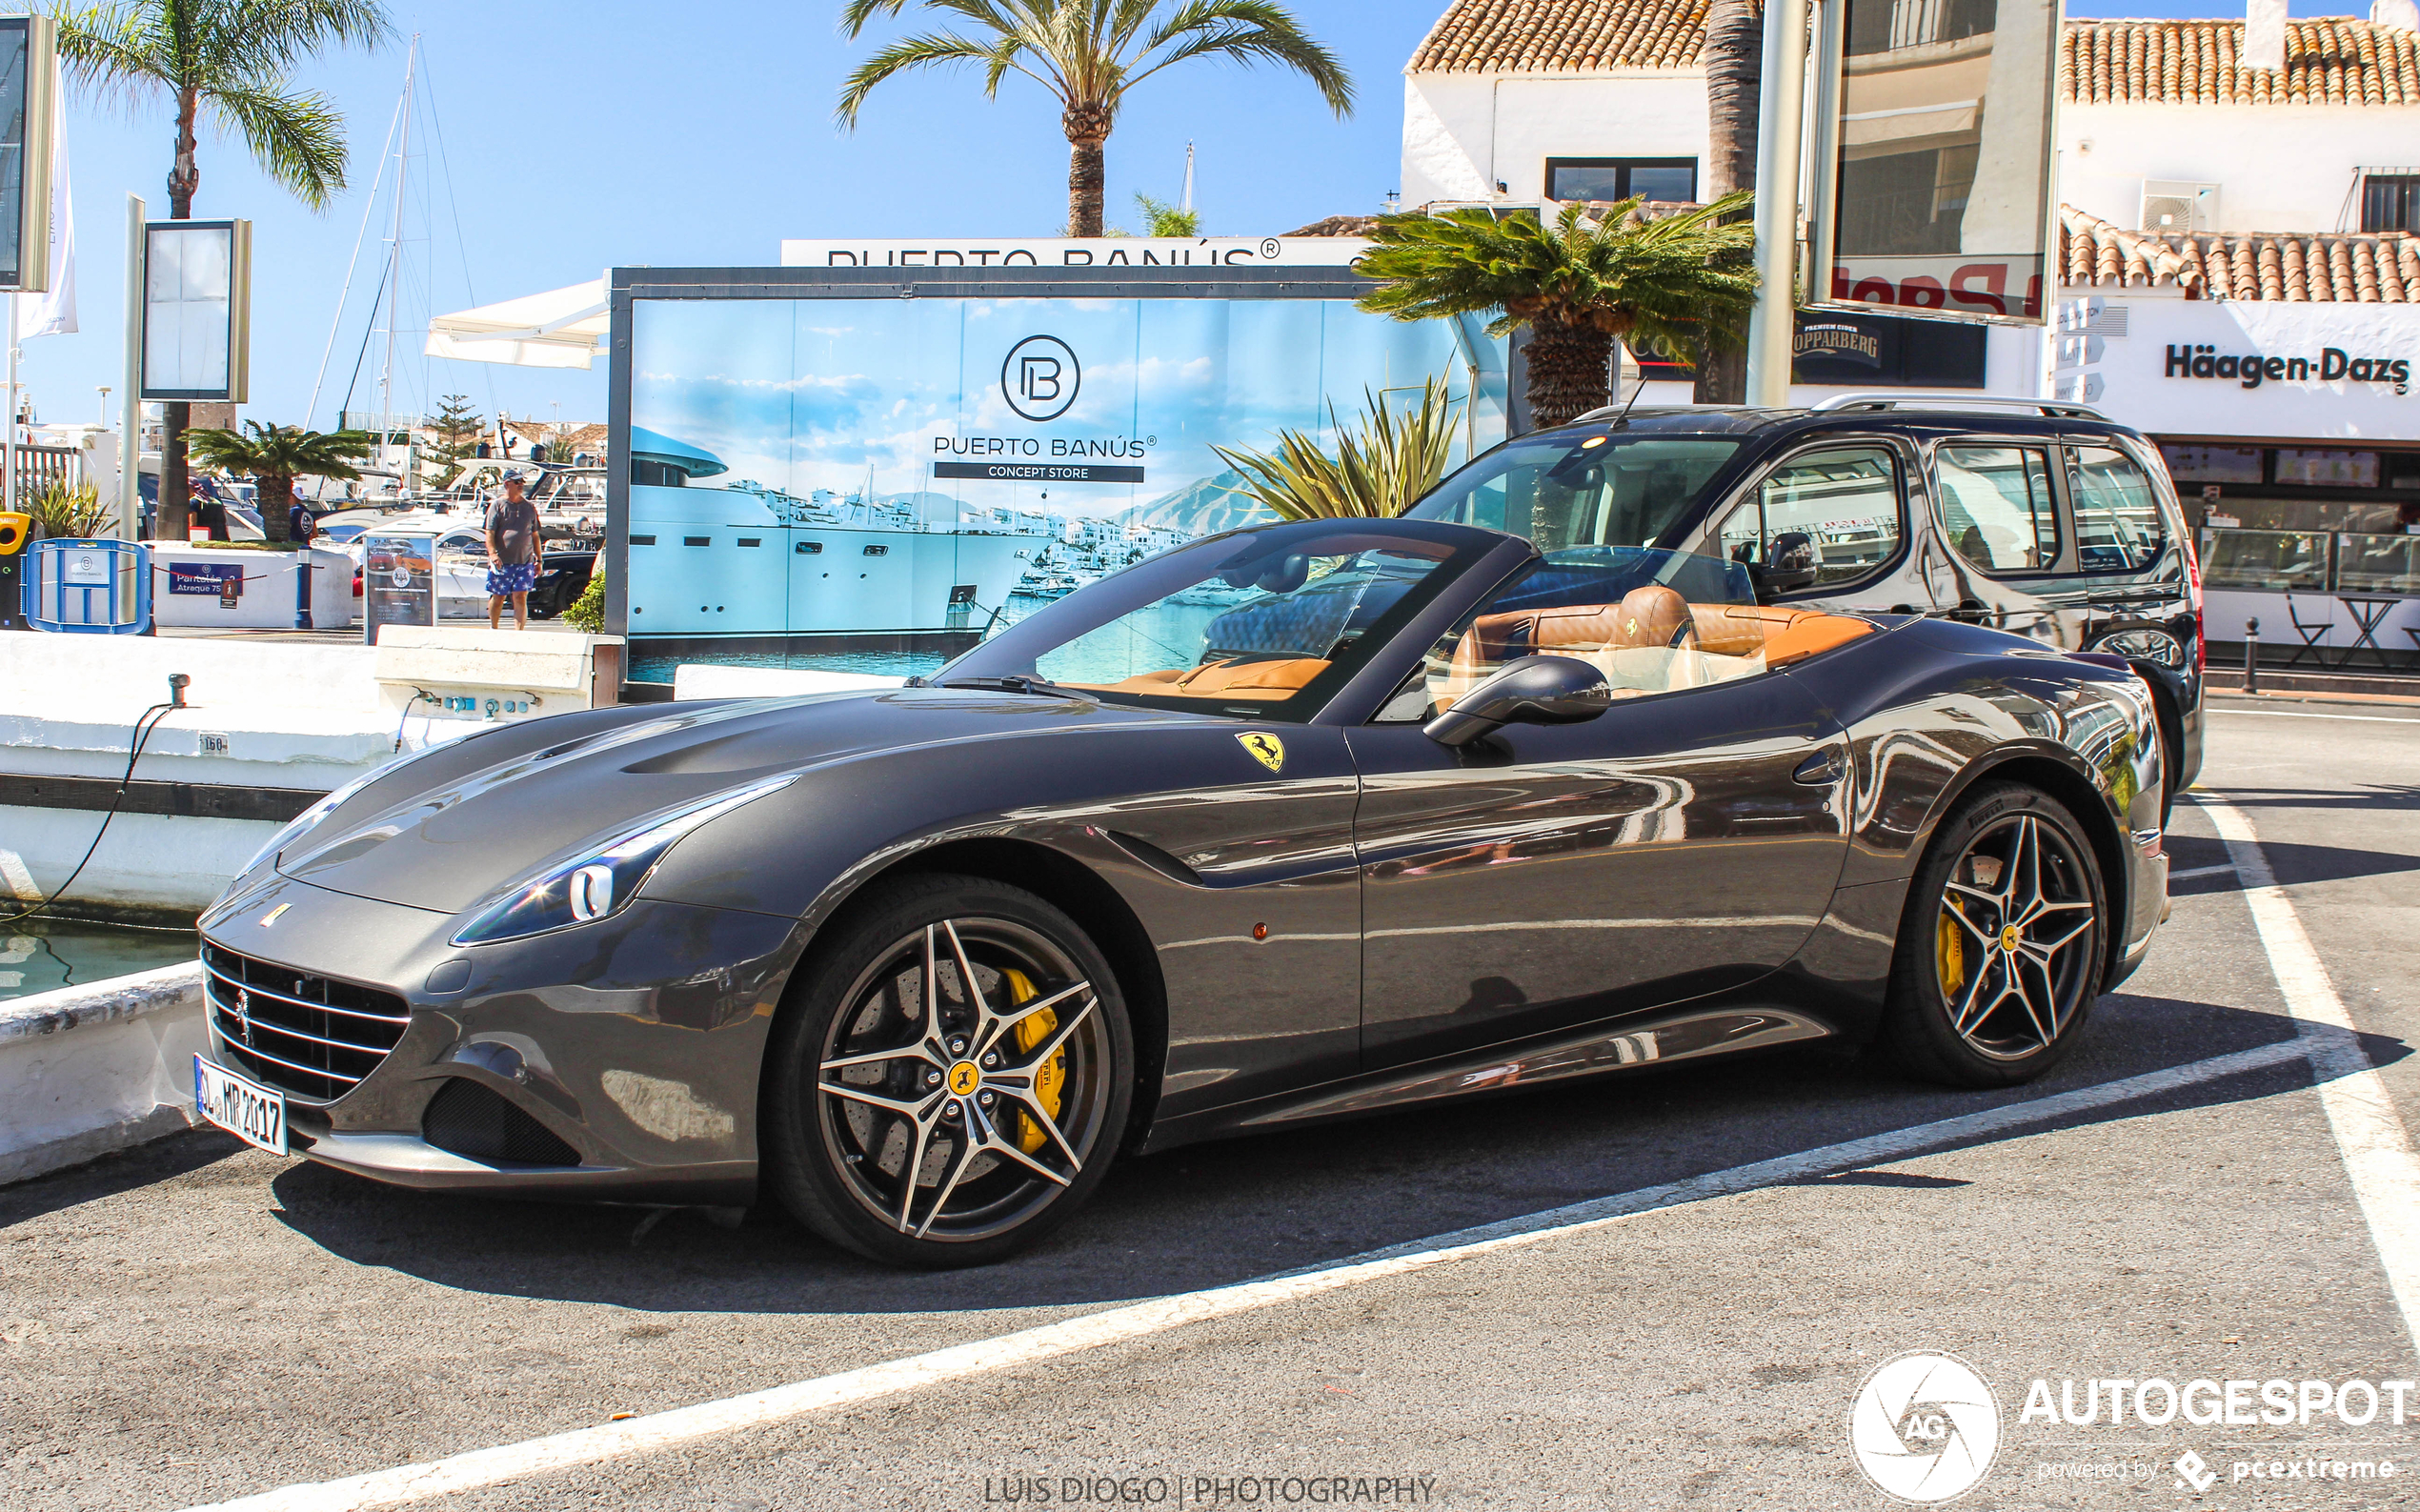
(585, 135)
(582, 135)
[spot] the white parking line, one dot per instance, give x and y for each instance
(663, 1430)
(2206, 871)
(2377, 1152)
(2284, 713)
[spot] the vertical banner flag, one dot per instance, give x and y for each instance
(54, 313)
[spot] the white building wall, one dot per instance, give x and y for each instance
(2279, 168)
(1465, 132)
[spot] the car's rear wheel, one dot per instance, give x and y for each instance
(2001, 948)
(950, 1082)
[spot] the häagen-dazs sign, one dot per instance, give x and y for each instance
(2251, 368)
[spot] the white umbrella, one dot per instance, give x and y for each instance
(562, 328)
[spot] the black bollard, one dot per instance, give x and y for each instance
(2252, 656)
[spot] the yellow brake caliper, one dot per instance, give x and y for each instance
(1050, 1078)
(1953, 954)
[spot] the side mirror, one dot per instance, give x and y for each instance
(1788, 566)
(1534, 690)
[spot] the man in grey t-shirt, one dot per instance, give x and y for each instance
(512, 555)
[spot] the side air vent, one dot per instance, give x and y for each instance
(466, 1119)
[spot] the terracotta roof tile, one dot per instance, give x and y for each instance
(2329, 60)
(1520, 36)
(2327, 269)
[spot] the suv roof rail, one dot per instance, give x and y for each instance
(1956, 401)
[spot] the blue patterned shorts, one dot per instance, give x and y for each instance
(518, 579)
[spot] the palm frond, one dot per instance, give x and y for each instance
(111, 49)
(1248, 32)
(240, 39)
(930, 50)
(297, 135)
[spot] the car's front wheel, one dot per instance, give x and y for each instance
(2001, 947)
(950, 1077)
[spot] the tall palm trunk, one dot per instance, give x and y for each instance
(1734, 59)
(176, 488)
(1087, 128)
(273, 492)
(1566, 369)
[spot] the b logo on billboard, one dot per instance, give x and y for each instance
(1041, 377)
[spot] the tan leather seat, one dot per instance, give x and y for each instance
(1221, 680)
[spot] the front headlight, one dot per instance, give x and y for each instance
(600, 881)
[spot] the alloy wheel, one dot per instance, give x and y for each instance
(964, 1083)
(2016, 941)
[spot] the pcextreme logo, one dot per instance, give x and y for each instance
(1923, 1426)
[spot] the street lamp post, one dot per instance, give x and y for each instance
(1781, 105)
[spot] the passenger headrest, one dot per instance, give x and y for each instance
(1654, 615)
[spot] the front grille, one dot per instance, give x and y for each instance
(468, 1120)
(310, 1036)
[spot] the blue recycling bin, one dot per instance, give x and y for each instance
(88, 588)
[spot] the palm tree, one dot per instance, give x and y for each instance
(276, 455)
(1089, 53)
(1601, 272)
(1381, 472)
(1733, 56)
(229, 58)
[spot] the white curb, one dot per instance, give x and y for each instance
(88, 1070)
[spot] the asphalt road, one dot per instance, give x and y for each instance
(196, 1321)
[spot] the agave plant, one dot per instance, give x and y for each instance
(1379, 468)
(70, 512)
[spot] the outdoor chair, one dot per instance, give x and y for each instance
(2312, 632)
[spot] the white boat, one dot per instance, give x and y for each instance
(747, 559)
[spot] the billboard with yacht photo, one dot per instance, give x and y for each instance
(873, 484)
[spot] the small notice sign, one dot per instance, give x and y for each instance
(398, 582)
(223, 581)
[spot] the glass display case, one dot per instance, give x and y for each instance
(2272, 560)
(2378, 564)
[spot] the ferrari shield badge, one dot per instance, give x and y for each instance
(1265, 748)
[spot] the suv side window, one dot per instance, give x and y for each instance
(2118, 526)
(1996, 507)
(1838, 508)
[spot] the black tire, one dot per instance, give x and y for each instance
(1997, 1008)
(1002, 1150)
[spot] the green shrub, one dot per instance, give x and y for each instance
(586, 613)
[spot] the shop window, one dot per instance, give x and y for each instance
(1996, 507)
(2118, 527)
(1839, 510)
(2391, 202)
(1611, 179)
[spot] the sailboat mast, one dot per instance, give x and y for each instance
(394, 257)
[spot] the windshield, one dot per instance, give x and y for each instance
(1570, 488)
(1264, 624)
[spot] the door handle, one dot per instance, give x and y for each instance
(1820, 770)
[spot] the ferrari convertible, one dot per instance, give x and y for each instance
(1297, 822)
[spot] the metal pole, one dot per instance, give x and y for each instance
(1780, 107)
(130, 478)
(2252, 656)
(9, 502)
(395, 267)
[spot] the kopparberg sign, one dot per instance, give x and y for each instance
(1064, 252)
(2247, 367)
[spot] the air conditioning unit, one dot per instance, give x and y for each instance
(2171, 208)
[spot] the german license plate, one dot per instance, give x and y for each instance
(245, 1109)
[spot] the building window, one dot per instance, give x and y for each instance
(2391, 202)
(1610, 178)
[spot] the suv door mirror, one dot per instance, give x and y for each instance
(1789, 568)
(1533, 690)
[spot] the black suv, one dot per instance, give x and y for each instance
(2047, 520)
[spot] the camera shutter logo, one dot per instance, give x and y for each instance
(1041, 377)
(1923, 1426)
